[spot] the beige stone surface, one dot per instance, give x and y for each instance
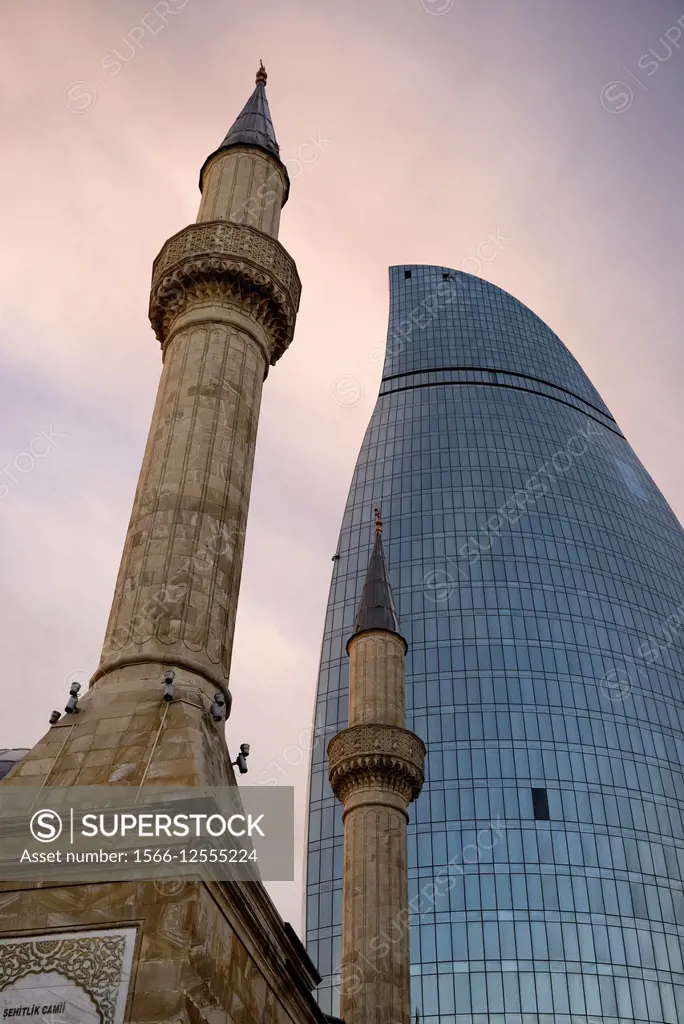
(126, 734)
(376, 679)
(375, 935)
(176, 595)
(243, 185)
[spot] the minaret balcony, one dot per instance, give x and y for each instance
(236, 262)
(376, 756)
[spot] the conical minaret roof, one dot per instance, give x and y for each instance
(253, 126)
(376, 607)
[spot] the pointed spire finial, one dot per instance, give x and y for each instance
(261, 75)
(376, 608)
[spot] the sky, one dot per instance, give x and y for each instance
(414, 131)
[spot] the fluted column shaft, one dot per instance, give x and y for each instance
(375, 935)
(177, 590)
(376, 680)
(245, 186)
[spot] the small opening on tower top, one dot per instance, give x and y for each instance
(407, 274)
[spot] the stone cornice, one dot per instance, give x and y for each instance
(376, 756)
(226, 263)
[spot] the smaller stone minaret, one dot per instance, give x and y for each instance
(376, 770)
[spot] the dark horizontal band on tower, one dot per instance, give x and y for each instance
(492, 380)
(497, 370)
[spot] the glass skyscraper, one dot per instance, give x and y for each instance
(538, 574)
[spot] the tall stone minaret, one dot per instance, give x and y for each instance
(376, 770)
(223, 305)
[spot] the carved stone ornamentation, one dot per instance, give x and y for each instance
(233, 264)
(95, 963)
(376, 756)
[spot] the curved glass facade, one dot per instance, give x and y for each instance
(539, 578)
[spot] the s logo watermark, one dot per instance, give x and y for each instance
(46, 826)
